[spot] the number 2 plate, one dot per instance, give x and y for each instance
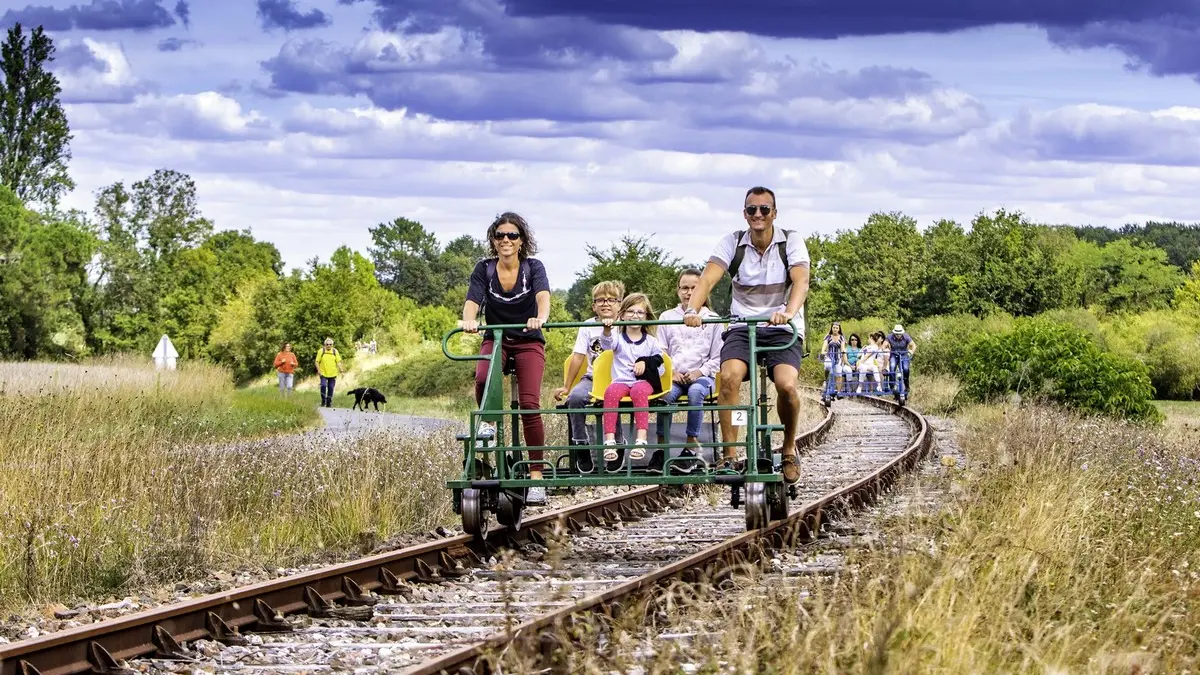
(739, 418)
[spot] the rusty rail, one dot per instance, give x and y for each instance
(260, 607)
(100, 647)
(542, 635)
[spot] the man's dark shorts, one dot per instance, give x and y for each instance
(737, 346)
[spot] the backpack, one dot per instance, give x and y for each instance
(741, 253)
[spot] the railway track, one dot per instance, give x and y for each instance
(453, 605)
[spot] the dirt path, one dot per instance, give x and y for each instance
(347, 422)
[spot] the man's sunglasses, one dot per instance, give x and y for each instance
(511, 236)
(763, 210)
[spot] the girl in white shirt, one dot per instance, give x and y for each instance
(637, 369)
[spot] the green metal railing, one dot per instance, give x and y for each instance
(492, 410)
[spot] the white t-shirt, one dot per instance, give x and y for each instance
(587, 342)
(761, 287)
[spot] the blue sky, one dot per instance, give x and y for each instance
(309, 122)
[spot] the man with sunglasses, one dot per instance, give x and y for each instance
(770, 271)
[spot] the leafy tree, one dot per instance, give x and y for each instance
(947, 263)
(643, 268)
(143, 232)
(42, 270)
(405, 256)
(239, 256)
(250, 329)
(1187, 296)
(341, 299)
(1181, 242)
(1015, 267)
(1137, 277)
(34, 134)
(874, 271)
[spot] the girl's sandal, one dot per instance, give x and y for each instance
(638, 452)
(610, 453)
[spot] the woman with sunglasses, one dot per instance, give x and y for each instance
(512, 288)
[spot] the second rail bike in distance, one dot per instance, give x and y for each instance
(496, 474)
(886, 380)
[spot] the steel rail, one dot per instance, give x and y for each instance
(542, 635)
(222, 616)
(261, 607)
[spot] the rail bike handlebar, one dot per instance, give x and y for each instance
(616, 324)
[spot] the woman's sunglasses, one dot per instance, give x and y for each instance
(511, 236)
(762, 210)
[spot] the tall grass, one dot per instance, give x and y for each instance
(119, 476)
(1064, 544)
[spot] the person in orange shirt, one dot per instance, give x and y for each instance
(285, 365)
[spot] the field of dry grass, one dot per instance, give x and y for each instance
(1064, 545)
(116, 476)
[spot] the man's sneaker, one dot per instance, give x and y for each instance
(655, 465)
(486, 432)
(686, 462)
(584, 462)
(535, 496)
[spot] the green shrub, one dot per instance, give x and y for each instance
(942, 340)
(432, 322)
(1041, 359)
(1168, 342)
(425, 371)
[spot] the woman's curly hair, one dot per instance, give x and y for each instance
(528, 243)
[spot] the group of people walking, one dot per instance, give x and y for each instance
(328, 364)
(769, 268)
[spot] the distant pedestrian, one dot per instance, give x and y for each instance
(285, 366)
(329, 366)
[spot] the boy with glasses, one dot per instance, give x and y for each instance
(606, 302)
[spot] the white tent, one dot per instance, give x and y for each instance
(165, 354)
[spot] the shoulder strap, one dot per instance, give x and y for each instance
(739, 252)
(491, 268)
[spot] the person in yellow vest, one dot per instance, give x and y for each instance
(329, 366)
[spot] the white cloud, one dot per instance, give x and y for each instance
(91, 71)
(204, 116)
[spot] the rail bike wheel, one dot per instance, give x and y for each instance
(777, 501)
(757, 513)
(509, 510)
(474, 515)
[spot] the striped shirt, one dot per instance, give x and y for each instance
(761, 286)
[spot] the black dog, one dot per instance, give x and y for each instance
(365, 396)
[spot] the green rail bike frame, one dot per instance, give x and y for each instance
(492, 464)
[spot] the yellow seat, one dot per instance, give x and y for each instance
(567, 369)
(602, 377)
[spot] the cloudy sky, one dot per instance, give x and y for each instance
(309, 121)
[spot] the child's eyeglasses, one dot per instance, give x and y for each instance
(634, 312)
(511, 236)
